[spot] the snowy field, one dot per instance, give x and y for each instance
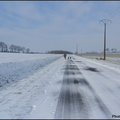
(110, 57)
(15, 66)
(37, 95)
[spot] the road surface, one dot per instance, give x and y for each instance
(74, 101)
(71, 88)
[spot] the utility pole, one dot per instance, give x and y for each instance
(105, 21)
(77, 49)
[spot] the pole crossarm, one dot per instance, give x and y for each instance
(105, 21)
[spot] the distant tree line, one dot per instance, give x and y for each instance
(114, 50)
(59, 52)
(13, 48)
(91, 52)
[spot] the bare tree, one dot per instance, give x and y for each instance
(107, 49)
(112, 49)
(15, 48)
(27, 50)
(11, 48)
(6, 48)
(23, 49)
(18, 48)
(115, 50)
(2, 46)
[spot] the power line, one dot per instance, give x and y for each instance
(93, 31)
(107, 17)
(97, 26)
(112, 13)
(116, 19)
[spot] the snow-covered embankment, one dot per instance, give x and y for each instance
(11, 72)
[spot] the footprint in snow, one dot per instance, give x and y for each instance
(32, 108)
(54, 112)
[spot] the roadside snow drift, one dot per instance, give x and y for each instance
(34, 96)
(15, 66)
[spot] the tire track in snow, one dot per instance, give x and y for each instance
(73, 99)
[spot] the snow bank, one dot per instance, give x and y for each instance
(36, 95)
(21, 66)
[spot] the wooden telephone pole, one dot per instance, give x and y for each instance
(105, 21)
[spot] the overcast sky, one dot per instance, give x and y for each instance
(60, 25)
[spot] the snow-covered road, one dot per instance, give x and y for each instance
(72, 88)
(77, 97)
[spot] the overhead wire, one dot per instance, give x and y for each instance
(112, 13)
(109, 16)
(116, 19)
(97, 26)
(93, 30)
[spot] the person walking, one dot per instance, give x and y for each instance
(65, 56)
